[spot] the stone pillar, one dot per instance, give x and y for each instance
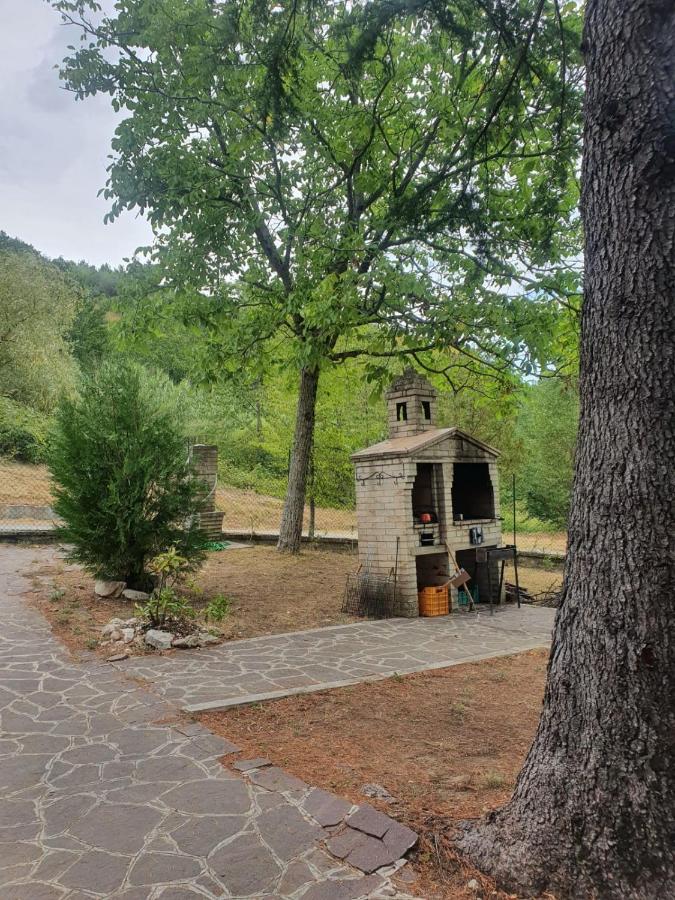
(205, 466)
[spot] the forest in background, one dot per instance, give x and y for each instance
(59, 318)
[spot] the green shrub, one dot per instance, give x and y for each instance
(123, 484)
(23, 432)
(547, 427)
(165, 608)
(217, 609)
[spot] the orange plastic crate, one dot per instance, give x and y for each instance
(434, 601)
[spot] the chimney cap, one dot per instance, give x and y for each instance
(410, 381)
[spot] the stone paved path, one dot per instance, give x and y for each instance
(279, 665)
(98, 798)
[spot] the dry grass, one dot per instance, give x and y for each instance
(446, 744)
(269, 593)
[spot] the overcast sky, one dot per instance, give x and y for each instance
(53, 150)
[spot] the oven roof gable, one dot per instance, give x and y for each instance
(412, 444)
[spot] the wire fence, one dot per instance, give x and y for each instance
(26, 507)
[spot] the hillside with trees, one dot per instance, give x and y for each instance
(62, 318)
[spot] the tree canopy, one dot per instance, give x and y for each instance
(37, 308)
(350, 179)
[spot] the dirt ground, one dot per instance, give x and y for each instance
(269, 593)
(447, 745)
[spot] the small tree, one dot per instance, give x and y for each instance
(123, 483)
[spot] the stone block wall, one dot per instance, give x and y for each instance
(205, 466)
(384, 512)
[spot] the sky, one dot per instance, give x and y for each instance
(53, 150)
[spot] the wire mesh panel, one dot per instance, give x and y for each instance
(369, 595)
(25, 497)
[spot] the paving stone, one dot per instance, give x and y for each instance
(199, 836)
(62, 813)
(22, 771)
(370, 854)
(208, 884)
(105, 871)
(296, 875)
(245, 866)
(343, 889)
(326, 808)
(18, 852)
(117, 827)
(27, 832)
(132, 893)
(215, 745)
(368, 819)
(11, 874)
(155, 868)
(399, 839)
(55, 862)
(208, 796)
(17, 812)
(76, 777)
(275, 779)
(136, 793)
(168, 768)
(286, 831)
(91, 753)
(342, 844)
(137, 741)
(43, 743)
(37, 892)
(180, 893)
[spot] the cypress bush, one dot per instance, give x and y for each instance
(122, 479)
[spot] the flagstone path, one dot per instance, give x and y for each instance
(101, 796)
(104, 792)
(279, 665)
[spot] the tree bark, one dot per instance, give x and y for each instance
(290, 529)
(593, 812)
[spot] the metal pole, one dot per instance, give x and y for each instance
(514, 509)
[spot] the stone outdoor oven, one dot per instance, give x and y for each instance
(435, 489)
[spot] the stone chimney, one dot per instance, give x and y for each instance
(411, 405)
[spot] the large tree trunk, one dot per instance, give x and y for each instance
(290, 529)
(593, 812)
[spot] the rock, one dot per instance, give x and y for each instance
(136, 596)
(128, 634)
(378, 792)
(473, 886)
(114, 625)
(109, 588)
(206, 638)
(160, 640)
(118, 657)
(116, 635)
(187, 643)
(130, 623)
